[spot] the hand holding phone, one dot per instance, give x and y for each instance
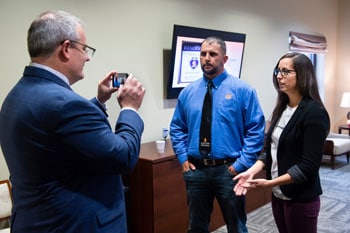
(130, 95)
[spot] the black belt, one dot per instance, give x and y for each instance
(210, 162)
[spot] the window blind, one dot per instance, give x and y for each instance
(302, 42)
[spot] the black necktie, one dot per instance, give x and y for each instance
(205, 131)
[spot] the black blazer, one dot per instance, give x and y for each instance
(300, 150)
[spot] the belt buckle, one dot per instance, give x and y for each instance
(209, 162)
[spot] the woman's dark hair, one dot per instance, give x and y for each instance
(306, 83)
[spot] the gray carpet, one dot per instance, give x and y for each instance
(335, 203)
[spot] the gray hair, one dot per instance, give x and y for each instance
(49, 30)
(215, 39)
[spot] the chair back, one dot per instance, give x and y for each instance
(5, 200)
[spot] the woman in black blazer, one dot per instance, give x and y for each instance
(293, 147)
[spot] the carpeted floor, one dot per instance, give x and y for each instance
(335, 203)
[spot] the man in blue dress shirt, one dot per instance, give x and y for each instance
(237, 133)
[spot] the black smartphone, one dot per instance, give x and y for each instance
(119, 79)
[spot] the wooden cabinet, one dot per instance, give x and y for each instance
(156, 196)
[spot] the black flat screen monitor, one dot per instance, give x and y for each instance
(184, 61)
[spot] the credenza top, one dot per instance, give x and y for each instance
(149, 152)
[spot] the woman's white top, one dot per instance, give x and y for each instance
(285, 117)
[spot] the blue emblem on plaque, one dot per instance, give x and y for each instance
(194, 62)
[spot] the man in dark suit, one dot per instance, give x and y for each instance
(64, 159)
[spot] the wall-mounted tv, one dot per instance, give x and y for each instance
(184, 61)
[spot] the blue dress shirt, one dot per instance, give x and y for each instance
(237, 122)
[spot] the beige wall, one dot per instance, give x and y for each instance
(341, 76)
(130, 36)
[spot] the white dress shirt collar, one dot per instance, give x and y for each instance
(55, 72)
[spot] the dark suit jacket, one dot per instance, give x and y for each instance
(300, 150)
(65, 161)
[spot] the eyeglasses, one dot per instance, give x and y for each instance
(284, 72)
(90, 51)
